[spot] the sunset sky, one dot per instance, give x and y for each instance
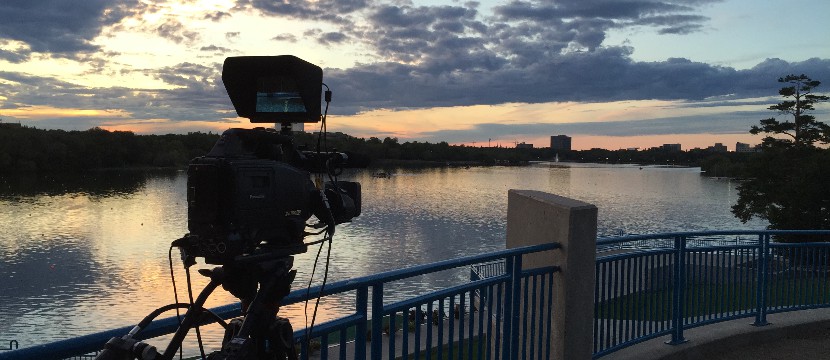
(609, 73)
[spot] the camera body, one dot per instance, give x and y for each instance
(252, 194)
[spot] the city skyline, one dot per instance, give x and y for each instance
(610, 73)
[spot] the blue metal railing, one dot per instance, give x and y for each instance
(454, 322)
(657, 285)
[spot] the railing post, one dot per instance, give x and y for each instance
(535, 217)
(678, 310)
(377, 321)
(763, 271)
(362, 308)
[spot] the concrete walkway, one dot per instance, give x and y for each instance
(791, 336)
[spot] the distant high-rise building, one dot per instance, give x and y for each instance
(522, 145)
(718, 147)
(745, 148)
(560, 142)
(671, 147)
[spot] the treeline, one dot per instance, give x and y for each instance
(390, 150)
(716, 163)
(26, 149)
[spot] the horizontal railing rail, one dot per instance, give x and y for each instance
(470, 319)
(648, 286)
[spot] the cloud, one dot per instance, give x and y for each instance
(61, 28)
(333, 11)
(177, 32)
(217, 16)
(285, 37)
(233, 35)
(215, 48)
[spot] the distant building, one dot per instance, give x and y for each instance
(718, 147)
(522, 145)
(295, 127)
(671, 147)
(745, 148)
(560, 142)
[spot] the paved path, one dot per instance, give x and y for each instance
(791, 336)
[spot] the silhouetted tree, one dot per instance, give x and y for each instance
(804, 130)
(788, 181)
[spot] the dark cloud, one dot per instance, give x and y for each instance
(15, 57)
(285, 37)
(332, 38)
(216, 16)
(333, 11)
(214, 48)
(175, 31)
(61, 28)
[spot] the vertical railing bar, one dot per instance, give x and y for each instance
(597, 305)
(722, 273)
(304, 349)
(637, 298)
(730, 280)
(499, 345)
(417, 336)
(524, 311)
(361, 307)
(451, 330)
(619, 308)
(533, 318)
(429, 318)
(481, 334)
(517, 282)
(544, 314)
(377, 321)
(490, 328)
(324, 347)
(761, 308)
(651, 291)
(743, 271)
(459, 313)
(702, 290)
(440, 323)
(606, 308)
(392, 325)
(548, 337)
(510, 264)
(629, 280)
(679, 284)
(343, 342)
(405, 333)
(710, 278)
(471, 327)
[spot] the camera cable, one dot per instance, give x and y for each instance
(309, 327)
(190, 295)
(175, 291)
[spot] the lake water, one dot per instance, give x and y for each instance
(88, 253)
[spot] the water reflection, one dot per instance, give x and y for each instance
(90, 253)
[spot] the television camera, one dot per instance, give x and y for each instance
(249, 203)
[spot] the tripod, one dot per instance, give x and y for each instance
(260, 282)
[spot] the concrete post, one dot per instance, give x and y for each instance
(535, 217)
